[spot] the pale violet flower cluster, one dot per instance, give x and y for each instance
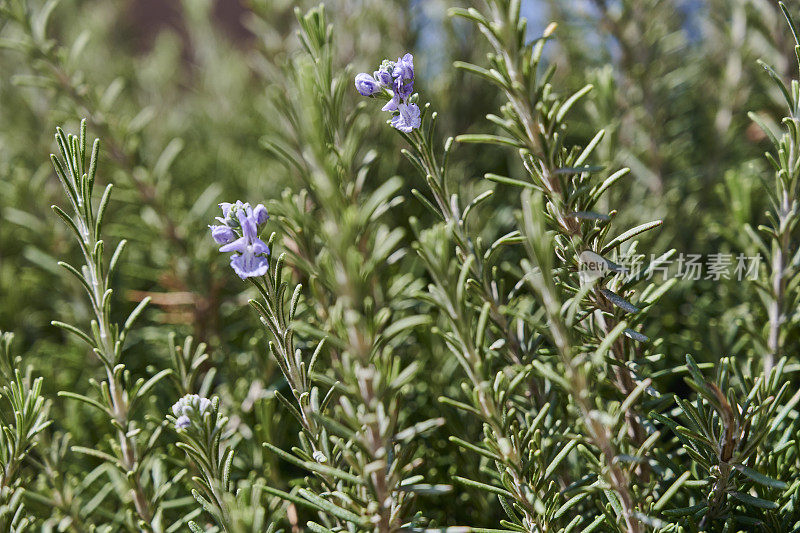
(397, 79)
(237, 231)
(188, 405)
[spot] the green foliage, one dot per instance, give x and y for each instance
(24, 417)
(470, 325)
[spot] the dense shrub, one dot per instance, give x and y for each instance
(461, 290)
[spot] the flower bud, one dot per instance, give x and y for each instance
(222, 234)
(366, 84)
(260, 214)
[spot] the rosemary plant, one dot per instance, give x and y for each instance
(496, 323)
(452, 314)
(779, 293)
(22, 419)
(117, 395)
(352, 438)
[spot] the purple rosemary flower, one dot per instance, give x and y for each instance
(408, 119)
(404, 76)
(398, 78)
(238, 233)
(393, 104)
(404, 68)
(403, 89)
(250, 259)
(182, 422)
(367, 85)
